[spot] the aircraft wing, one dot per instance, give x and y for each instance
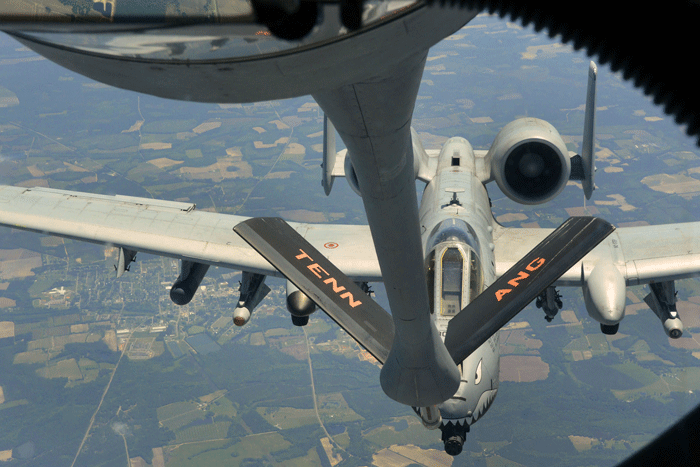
(174, 229)
(643, 254)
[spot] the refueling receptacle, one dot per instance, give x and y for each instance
(604, 294)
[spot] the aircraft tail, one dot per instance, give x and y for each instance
(583, 165)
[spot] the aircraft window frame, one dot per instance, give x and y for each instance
(454, 231)
(430, 279)
(472, 283)
(455, 277)
(476, 276)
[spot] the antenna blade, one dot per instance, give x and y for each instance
(329, 154)
(587, 150)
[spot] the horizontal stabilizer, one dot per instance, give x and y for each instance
(354, 311)
(514, 290)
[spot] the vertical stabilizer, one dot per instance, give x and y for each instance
(587, 150)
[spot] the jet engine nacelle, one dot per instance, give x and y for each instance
(299, 305)
(529, 161)
(191, 275)
(604, 293)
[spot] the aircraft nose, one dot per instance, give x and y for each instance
(476, 391)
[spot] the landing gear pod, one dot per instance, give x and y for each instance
(191, 275)
(299, 305)
(662, 301)
(252, 291)
(604, 293)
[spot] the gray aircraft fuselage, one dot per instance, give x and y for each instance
(456, 225)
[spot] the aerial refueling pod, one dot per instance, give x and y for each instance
(529, 161)
(604, 293)
(191, 275)
(253, 289)
(662, 301)
(299, 305)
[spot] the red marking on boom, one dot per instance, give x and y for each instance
(522, 275)
(336, 287)
(317, 270)
(303, 255)
(351, 299)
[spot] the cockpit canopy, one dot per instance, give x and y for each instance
(453, 268)
(453, 230)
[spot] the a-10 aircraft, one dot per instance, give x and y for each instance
(479, 274)
(365, 78)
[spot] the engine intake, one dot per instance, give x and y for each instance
(529, 161)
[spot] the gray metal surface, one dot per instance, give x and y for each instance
(173, 229)
(373, 118)
(643, 254)
(329, 155)
(279, 72)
